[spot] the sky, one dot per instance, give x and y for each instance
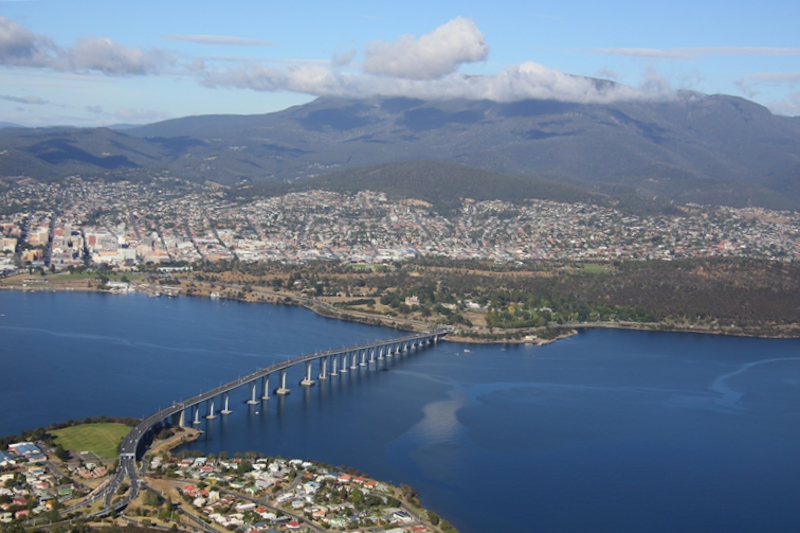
(102, 62)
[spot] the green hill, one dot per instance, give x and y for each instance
(709, 149)
(445, 185)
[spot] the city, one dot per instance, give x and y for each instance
(125, 224)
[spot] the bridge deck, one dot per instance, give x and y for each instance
(129, 446)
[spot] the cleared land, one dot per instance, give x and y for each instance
(102, 439)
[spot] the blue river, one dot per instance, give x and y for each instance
(605, 431)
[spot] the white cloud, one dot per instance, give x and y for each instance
(607, 73)
(24, 99)
(697, 52)
(302, 78)
(746, 89)
(775, 77)
(790, 105)
(531, 80)
(343, 59)
(21, 48)
(197, 65)
(786, 106)
(218, 40)
(426, 67)
(784, 81)
(106, 56)
(431, 56)
(654, 83)
(517, 82)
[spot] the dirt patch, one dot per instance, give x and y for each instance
(178, 438)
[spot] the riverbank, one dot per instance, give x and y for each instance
(536, 336)
(473, 334)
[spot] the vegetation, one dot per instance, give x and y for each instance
(630, 152)
(731, 295)
(45, 434)
(445, 185)
(77, 526)
(102, 439)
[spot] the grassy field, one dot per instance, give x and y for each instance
(102, 439)
(591, 268)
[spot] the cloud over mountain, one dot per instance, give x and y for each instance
(425, 67)
(517, 82)
(431, 56)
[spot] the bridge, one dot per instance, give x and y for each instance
(329, 364)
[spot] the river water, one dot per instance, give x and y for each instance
(605, 431)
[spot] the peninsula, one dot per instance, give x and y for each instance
(193, 492)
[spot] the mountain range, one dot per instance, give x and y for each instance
(709, 149)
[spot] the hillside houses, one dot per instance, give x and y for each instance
(232, 494)
(27, 486)
(126, 224)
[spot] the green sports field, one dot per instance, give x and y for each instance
(102, 439)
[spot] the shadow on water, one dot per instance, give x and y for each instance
(264, 425)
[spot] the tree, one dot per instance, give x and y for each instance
(151, 499)
(13, 527)
(61, 453)
(355, 497)
(244, 467)
(409, 492)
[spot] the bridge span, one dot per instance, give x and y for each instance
(330, 363)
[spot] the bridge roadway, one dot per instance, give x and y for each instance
(130, 445)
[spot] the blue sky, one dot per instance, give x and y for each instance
(93, 63)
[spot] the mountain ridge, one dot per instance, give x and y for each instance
(712, 149)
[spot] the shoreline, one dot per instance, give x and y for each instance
(487, 336)
(177, 439)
